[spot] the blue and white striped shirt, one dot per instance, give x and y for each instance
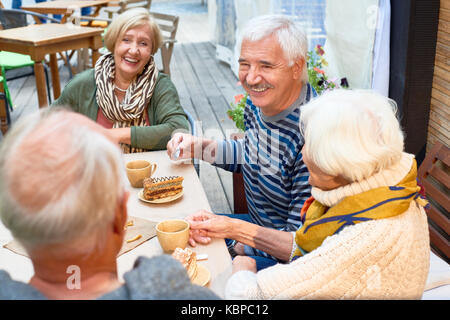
(275, 177)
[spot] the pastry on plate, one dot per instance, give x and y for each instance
(162, 187)
(188, 259)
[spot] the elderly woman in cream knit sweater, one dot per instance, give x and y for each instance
(364, 232)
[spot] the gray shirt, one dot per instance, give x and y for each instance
(157, 278)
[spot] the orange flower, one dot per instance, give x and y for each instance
(318, 70)
(238, 98)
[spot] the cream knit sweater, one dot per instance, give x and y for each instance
(378, 259)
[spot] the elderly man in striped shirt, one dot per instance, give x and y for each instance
(272, 69)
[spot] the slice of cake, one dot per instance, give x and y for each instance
(188, 259)
(162, 187)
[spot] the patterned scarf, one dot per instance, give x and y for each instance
(320, 221)
(131, 112)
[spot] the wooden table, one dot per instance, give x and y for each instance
(193, 199)
(40, 39)
(66, 7)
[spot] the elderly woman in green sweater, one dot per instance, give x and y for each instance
(125, 92)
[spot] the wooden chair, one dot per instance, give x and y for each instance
(122, 5)
(92, 21)
(169, 26)
(114, 7)
(434, 176)
(239, 199)
(193, 131)
(5, 119)
(15, 18)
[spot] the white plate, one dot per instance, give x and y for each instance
(162, 200)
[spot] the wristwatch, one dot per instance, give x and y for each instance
(231, 250)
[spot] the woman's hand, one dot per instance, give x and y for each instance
(120, 135)
(206, 225)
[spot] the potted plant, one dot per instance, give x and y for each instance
(236, 111)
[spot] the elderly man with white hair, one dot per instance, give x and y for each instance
(273, 71)
(63, 197)
(364, 232)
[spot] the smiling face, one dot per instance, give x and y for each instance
(264, 72)
(132, 52)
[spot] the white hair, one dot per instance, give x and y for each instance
(290, 35)
(352, 133)
(60, 181)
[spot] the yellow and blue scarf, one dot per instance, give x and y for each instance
(320, 221)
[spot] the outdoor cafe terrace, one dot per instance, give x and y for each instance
(205, 85)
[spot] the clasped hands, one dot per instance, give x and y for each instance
(206, 225)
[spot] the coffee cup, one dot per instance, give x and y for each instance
(138, 170)
(172, 234)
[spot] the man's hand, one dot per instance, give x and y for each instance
(241, 263)
(184, 146)
(206, 225)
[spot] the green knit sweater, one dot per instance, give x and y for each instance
(164, 110)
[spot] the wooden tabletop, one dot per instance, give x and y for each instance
(193, 199)
(48, 33)
(39, 40)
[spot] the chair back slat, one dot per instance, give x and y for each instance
(436, 193)
(168, 24)
(439, 244)
(123, 5)
(167, 28)
(440, 175)
(16, 18)
(138, 4)
(439, 218)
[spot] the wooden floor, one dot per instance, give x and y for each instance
(206, 87)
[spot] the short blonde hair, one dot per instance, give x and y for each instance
(352, 133)
(130, 19)
(67, 181)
